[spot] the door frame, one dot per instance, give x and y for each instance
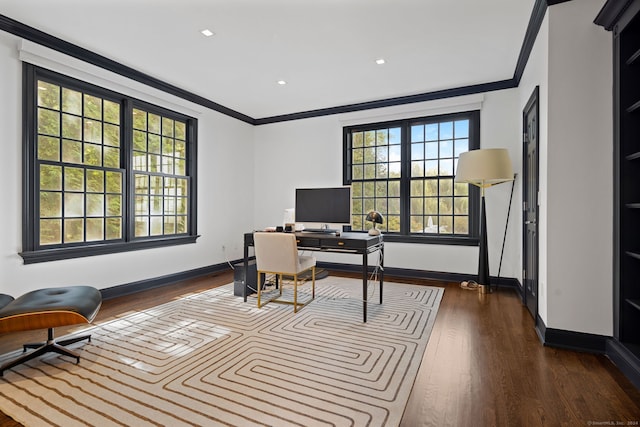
(533, 102)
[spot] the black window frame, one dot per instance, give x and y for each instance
(405, 235)
(32, 250)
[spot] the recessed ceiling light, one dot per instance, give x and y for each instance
(207, 33)
(282, 82)
(380, 61)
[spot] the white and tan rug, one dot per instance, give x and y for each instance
(209, 359)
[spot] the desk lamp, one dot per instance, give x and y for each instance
(484, 168)
(376, 218)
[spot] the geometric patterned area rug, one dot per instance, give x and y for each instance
(209, 359)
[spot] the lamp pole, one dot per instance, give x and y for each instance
(483, 260)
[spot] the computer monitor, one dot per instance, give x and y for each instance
(323, 205)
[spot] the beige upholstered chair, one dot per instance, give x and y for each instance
(277, 253)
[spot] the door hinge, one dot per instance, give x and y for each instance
(525, 137)
(524, 274)
(524, 206)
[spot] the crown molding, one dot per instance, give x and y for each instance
(390, 102)
(535, 22)
(611, 12)
(33, 34)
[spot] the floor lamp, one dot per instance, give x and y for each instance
(484, 168)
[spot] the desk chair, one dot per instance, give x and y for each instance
(277, 253)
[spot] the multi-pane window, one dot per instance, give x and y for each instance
(103, 172)
(405, 170)
(438, 205)
(78, 164)
(161, 183)
(376, 171)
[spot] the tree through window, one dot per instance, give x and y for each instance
(405, 170)
(85, 147)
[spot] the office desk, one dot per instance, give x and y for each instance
(347, 243)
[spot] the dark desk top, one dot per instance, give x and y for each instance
(329, 241)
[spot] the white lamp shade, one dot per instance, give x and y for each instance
(485, 167)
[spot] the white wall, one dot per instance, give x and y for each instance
(580, 170)
(308, 153)
(571, 62)
(225, 194)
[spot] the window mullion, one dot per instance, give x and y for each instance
(126, 135)
(405, 180)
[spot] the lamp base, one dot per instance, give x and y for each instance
(484, 289)
(374, 232)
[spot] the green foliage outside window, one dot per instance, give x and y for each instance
(78, 137)
(161, 184)
(80, 174)
(425, 201)
(104, 172)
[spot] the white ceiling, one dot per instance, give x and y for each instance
(324, 49)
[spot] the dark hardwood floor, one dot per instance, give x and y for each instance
(483, 366)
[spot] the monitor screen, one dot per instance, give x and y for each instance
(324, 205)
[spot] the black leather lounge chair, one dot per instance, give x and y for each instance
(48, 308)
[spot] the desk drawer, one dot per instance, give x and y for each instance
(308, 242)
(337, 244)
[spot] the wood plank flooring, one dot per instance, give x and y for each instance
(483, 366)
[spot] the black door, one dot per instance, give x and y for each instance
(530, 205)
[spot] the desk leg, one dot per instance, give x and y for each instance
(381, 271)
(365, 273)
(246, 272)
